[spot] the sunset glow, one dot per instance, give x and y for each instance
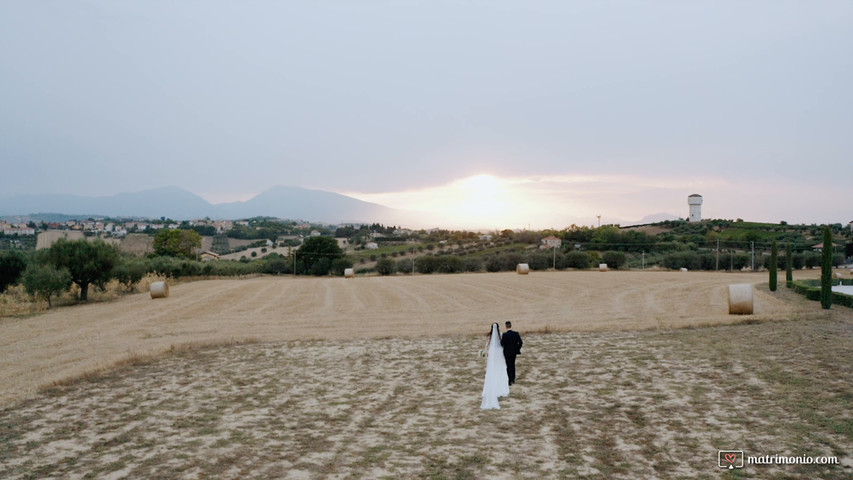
(488, 202)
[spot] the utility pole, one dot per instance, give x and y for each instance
(717, 268)
(555, 256)
(752, 247)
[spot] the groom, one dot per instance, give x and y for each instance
(511, 343)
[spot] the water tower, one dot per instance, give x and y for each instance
(695, 202)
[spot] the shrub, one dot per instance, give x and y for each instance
(129, 272)
(385, 266)
(339, 265)
(472, 264)
(539, 261)
(677, 260)
(12, 265)
(426, 264)
(450, 264)
(276, 266)
(614, 259)
(577, 260)
(493, 264)
(405, 266)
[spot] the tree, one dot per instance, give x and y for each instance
(12, 265)
(774, 264)
(316, 255)
(826, 270)
(177, 243)
(87, 262)
(789, 267)
(44, 281)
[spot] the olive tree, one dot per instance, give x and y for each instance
(45, 281)
(177, 243)
(87, 262)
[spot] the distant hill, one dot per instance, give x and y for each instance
(178, 204)
(305, 204)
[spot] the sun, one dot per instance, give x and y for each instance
(481, 185)
(482, 197)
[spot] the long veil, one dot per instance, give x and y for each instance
(497, 382)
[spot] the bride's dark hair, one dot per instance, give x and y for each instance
(490, 329)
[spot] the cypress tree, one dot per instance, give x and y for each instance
(826, 270)
(789, 268)
(774, 264)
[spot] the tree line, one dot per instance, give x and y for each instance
(47, 273)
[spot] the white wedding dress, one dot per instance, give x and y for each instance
(497, 381)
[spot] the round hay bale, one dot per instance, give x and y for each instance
(836, 275)
(740, 299)
(349, 273)
(522, 269)
(683, 269)
(602, 267)
(159, 290)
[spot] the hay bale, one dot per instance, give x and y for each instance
(602, 267)
(522, 269)
(836, 275)
(740, 299)
(683, 269)
(159, 290)
(349, 273)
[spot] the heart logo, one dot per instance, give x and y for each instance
(730, 457)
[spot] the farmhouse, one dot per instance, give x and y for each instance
(551, 242)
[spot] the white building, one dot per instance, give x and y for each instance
(551, 242)
(695, 203)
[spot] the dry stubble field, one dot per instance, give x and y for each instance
(378, 378)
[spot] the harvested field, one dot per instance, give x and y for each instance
(49, 237)
(139, 244)
(379, 378)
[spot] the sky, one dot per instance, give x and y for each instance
(497, 114)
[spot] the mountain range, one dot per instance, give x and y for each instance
(172, 202)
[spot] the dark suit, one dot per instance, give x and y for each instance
(511, 342)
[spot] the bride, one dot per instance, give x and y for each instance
(497, 381)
